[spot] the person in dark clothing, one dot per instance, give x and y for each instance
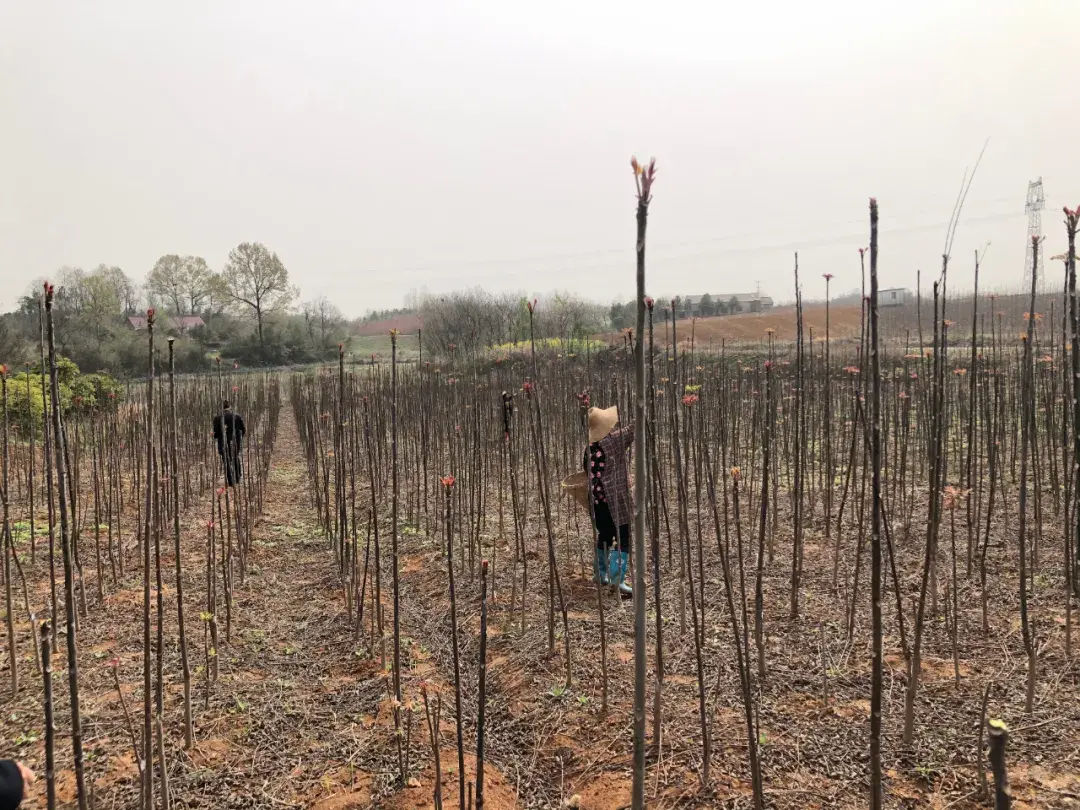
(229, 432)
(604, 463)
(15, 778)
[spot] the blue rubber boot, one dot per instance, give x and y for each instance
(620, 564)
(600, 565)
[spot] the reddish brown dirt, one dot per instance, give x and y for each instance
(900, 324)
(406, 324)
(751, 327)
(419, 795)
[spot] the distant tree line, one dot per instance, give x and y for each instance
(468, 321)
(247, 310)
(624, 316)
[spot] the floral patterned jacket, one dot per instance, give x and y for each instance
(605, 462)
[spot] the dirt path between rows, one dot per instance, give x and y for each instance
(299, 716)
(290, 723)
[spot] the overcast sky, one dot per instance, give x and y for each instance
(386, 147)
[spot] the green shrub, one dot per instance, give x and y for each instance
(88, 392)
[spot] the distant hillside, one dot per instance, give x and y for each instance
(406, 324)
(1000, 312)
(753, 326)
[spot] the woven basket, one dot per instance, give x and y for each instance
(577, 487)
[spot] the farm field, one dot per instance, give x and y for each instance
(360, 348)
(320, 620)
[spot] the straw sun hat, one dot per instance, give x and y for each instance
(601, 422)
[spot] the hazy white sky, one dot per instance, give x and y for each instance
(385, 147)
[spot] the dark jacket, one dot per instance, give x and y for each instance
(11, 785)
(233, 433)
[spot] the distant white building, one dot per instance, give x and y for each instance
(894, 297)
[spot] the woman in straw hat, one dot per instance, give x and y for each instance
(609, 494)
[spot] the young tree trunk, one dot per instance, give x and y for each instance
(47, 451)
(148, 528)
(50, 727)
(1074, 324)
(969, 483)
(448, 484)
(936, 420)
(644, 178)
(999, 739)
(658, 695)
(482, 696)
(1027, 418)
(189, 735)
(6, 544)
(800, 435)
(69, 574)
(759, 568)
(876, 689)
(394, 514)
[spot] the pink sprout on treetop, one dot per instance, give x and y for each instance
(644, 177)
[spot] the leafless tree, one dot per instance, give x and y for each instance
(180, 283)
(323, 321)
(257, 282)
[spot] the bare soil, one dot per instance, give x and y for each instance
(301, 716)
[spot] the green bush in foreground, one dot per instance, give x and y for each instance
(79, 393)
